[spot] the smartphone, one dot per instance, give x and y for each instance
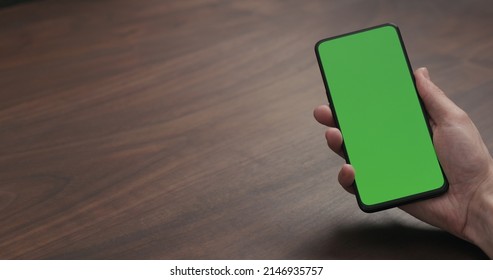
(375, 103)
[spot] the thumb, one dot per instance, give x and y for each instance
(437, 104)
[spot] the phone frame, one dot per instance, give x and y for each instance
(399, 201)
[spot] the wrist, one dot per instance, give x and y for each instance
(479, 228)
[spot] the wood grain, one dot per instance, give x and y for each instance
(184, 129)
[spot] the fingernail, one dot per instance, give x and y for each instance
(426, 73)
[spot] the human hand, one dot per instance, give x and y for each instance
(465, 160)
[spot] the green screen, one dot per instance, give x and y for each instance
(378, 111)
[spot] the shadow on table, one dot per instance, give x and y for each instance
(393, 241)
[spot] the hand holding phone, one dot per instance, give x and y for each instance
(464, 209)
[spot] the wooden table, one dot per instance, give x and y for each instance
(184, 129)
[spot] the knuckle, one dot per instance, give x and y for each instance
(461, 115)
(456, 115)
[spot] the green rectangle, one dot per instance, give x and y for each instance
(376, 105)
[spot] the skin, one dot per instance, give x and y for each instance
(466, 210)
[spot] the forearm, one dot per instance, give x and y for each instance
(480, 218)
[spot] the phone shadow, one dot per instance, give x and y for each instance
(392, 241)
